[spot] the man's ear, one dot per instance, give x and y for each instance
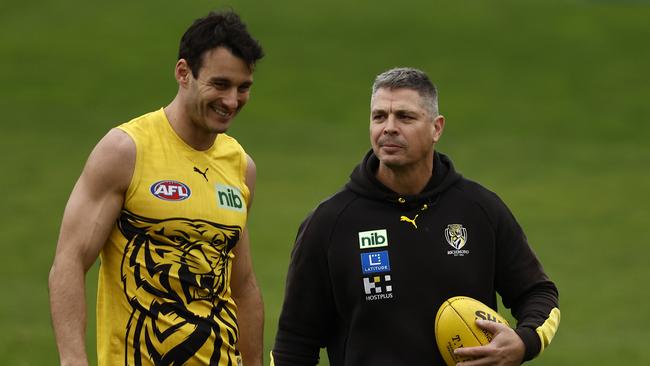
(182, 73)
(438, 127)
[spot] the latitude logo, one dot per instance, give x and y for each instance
(372, 262)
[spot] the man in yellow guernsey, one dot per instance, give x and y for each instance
(163, 202)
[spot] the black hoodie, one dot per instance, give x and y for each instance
(370, 268)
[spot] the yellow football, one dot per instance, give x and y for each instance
(456, 326)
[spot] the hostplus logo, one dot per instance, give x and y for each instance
(378, 287)
(229, 197)
(373, 239)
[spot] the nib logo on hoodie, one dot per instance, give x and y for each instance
(373, 239)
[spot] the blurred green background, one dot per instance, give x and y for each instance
(546, 104)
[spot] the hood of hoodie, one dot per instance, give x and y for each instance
(364, 182)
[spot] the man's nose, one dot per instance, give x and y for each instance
(391, 126)
(229, 99)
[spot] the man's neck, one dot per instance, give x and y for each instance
(409, 180)
(194, 137)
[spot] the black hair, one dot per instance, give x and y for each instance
(218, 29)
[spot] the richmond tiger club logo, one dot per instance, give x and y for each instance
(175, 275)
(456, 236)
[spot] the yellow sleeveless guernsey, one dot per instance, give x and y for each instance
(164, 282)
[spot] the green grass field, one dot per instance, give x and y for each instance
(546, 104)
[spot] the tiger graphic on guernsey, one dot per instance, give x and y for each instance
(176, 274)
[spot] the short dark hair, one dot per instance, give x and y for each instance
(218, 29)
(409, 78)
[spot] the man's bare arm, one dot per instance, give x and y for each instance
(91, 211)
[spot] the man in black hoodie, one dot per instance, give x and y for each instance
(373, 263)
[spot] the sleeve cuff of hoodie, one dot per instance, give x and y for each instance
(531, 342)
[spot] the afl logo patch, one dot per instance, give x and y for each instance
(171, 190)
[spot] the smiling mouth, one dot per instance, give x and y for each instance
(221, 112)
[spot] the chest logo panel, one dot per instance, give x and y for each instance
(373, 239)
(230, 198)
(170, 190)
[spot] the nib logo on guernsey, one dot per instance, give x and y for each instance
(229, 197)
(373, 239)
